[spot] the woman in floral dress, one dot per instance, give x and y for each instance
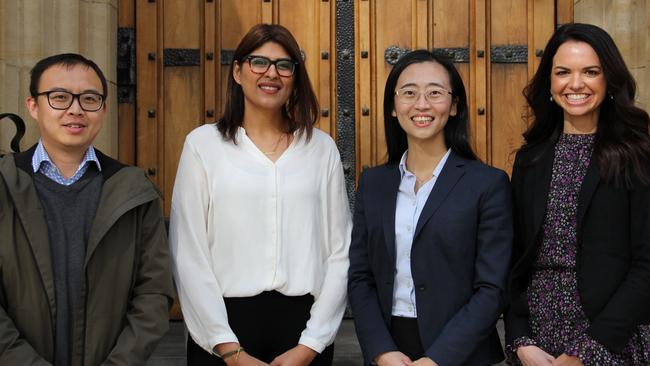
(580, 284)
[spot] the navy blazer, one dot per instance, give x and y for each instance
(613, 257)
(459, 262)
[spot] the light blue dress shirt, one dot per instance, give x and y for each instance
(408, 210)
(42, 163)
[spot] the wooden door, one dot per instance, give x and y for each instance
(495, 45)
(174, 56)
(182, 51)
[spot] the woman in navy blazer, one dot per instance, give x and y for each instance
(580, 285)
(432, 232)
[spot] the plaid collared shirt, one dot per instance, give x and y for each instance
(41, 163)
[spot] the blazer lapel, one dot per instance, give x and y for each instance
(542, 183)
(589, 185)
(449, 176)
(388, 209)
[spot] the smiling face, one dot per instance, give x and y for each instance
(424, 120)
(267, 91)
(71, 130)
(578, 83)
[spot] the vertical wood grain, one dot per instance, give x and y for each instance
(147, 97)
(126, 113)
(509, 26)
(364, 87)
(183, 93)
(479, 81)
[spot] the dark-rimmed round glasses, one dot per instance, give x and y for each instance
(260, 65)
(62, 100)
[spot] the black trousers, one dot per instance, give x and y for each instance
(407, 336)
(267, 325)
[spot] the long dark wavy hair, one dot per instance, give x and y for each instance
(622, 142)
(301, 110)
(456, 130)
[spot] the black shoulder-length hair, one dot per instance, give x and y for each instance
(301, 110)
(457, 128)
(622, 143)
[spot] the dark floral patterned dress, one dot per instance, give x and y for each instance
(557, 320)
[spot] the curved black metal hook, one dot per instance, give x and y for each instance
(20, 129)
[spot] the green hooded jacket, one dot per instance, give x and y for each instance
(128, 287)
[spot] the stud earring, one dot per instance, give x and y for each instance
(550, 98)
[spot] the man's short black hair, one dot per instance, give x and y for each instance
(67, 60)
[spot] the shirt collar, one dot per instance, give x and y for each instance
(436, 172)
(41, 155)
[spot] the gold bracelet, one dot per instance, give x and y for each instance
(237, 357)
(232, 353)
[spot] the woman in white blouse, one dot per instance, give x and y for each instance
(260, 223)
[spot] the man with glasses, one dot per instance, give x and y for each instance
(84, 263)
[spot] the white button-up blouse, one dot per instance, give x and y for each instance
(242, 224)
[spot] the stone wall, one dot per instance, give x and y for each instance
(628, 22)
(33, 29)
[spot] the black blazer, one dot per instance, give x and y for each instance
(459, 262)
(613, 234)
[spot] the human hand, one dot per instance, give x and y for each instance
(394, 358)
(241, 359)
(534, 356)
(424, 361)
(566, 360)
(244, 360)
(299, 355)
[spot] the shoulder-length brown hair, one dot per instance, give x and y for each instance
(301, 110)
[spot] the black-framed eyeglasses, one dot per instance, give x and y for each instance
(260, 65)
(62, 100)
